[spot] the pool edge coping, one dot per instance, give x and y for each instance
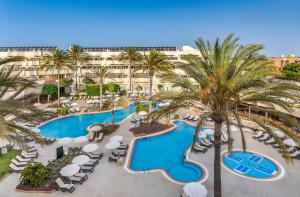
(270, 179)
(202, 179)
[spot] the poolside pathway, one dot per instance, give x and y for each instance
(110, 180)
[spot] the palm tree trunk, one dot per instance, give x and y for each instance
(58, 86)
(76, 77)
(151, 82)
(130, 76)
(217, 160)
(113, 117)
(101, 95)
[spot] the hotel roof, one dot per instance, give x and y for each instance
(117, 49)
(28, 48)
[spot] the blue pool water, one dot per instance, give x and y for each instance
(166, 151)
(250, 164)
(75, 125)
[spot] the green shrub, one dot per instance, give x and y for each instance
(93, 90)
(176, 116)
(112, 87)
(88, 81)
(63, 110)
(142, 107)
(49, 89)
(34, 174)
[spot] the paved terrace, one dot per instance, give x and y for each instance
(110, 180)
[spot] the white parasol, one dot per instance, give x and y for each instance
(90, 148)
(142, 113)
(69, 170)
(289, 142)
(74, 104)
(279, 133)
(81, 160)
(112, 145)
(95, 128)
(194, 189)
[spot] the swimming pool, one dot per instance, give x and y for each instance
(250, 164)
(166, 152)
(75, 125)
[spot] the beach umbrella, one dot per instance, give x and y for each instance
(95, 128)
(194, 189)
(289, 142)
(81, 160)
(82, 93)
(90, 148)
(72, 94)
(9, 117)
(69, 170)
(279, 133)
(37, 104)
(62, 98)
(89, 101)
(65, 140)
(112, 145)
(74, 104)
(142, 113)
(81, 139)
(65, 101)
(116, 138)
(96, 101)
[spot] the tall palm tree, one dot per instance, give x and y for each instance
(102, 73)
(58, 60)
(155, 62)
(132, 55)
(13, 104)
(226, 76)
(77, 55)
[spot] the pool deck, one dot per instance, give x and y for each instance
(111, 180)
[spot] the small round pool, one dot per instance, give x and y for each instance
(250, 164)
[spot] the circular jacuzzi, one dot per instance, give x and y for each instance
(252, 165)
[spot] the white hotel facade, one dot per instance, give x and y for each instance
(105, 56)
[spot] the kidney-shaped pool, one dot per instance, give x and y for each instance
(166, 152)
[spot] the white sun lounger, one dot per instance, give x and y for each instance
(264, 138)
(63, 186)
(16, 168)
(23, 159)
(18, 163)
(258, 134)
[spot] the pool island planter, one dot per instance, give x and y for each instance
(278, 175)
(30, 189)
(127, 167)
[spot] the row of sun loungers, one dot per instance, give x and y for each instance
(21, 161)
(120, 152)
(192, 117)
(67, 183)
(269, 140)
(204, 144)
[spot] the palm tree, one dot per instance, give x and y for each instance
(226, 76)
(132, 55)
(102, 72)
(155, 62)
(14, 104)
(77, 54)
(58, 60)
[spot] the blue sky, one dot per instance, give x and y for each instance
(274, 23)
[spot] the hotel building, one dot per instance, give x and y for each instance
(106, 56)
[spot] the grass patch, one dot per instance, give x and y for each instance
(5, 161)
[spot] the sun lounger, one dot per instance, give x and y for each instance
(186, 116)
(270, 141)
(196, 118)
(259, 134)
(92, 156)
(291, 149)
(265, 137)
(76, 179)
(121, 153)
(20, 159)
(191, 117)
(203, 143)
(82, 175)
(112, 158)
(16, 168)
(296, 155)
(18, 163)
(207, 142)
(198, 148)
(100, 137)
(28, 156)
(64, 187)
(85, 168)
(123, 147)
(224, 140)
(91, 137)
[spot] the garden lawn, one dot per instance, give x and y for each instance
(5, 161)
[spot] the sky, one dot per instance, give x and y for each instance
(274, 23)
